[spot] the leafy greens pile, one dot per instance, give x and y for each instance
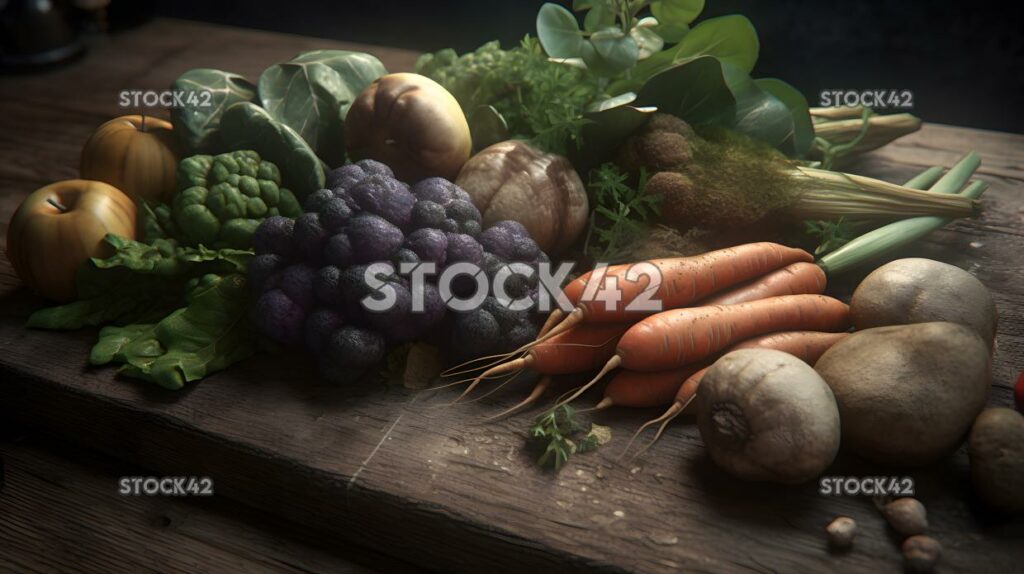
(174, 307)
(630, 58)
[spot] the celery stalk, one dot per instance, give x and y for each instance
(894, 235)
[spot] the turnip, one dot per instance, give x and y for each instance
(919, 290)
(996, 448)
(766, 415)
(907, 394)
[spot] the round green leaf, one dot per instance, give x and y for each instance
(696, 91)
(618, 51)
(558, 32)
(599, 16)
(731, 39)
(803, 129)
(647, 40)
(674, 17)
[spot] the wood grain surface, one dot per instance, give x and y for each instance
(394, 470)
(61, 511)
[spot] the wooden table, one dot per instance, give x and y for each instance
(383, 467)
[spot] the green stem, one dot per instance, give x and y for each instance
(895, 235)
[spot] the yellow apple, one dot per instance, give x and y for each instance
(136, 154)
(59, 227)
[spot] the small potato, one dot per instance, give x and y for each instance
(907, 394)
(767, 415)
(996, 449)
(917, 290)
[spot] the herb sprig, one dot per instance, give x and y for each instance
(620, 211)
(554, 431)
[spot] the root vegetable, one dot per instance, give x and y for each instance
(917, 290)
(841, 531)
(907, 394)
(907, 516)
(996, 449)
(920, 553)
(766, 415)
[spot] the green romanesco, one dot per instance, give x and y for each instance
(221, 200)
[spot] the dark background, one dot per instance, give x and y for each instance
(963, 61)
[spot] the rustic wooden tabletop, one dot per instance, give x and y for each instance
(381, 466)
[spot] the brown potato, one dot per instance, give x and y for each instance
(996, 448)
(917, 290)
(907, 394)
(410, 123)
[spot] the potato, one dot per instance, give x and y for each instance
(996, 448)
(766, 415)
(907, 394)
(412, 124)
(919, 290)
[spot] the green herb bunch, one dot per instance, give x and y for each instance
(621, 210)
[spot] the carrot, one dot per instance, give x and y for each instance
(684, 280)
(795, 279)
(807, 346)
(679, 337)
(681, 281)
(641, 390)
(579, 350)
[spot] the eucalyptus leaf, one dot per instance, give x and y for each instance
(731, 39)
(619, 51)
(558, 32)
(647, 40)
(248, 126)
(311, 94)
(803, 128)
(601, 15)
(674, 17)
(676, 12)
(197, 123)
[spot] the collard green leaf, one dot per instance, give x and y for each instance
(674, 17)
(248, 126)
(206, 336)
(138, 282)
(696, 91)
(558, 31)
(312, 92)
(803, 128)
(197, 123)
(608, 124)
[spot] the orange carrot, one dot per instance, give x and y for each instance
(664, 283)
(641, 390)
(795, 279)
(679, 337)
(576, 351)
(807, 346)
